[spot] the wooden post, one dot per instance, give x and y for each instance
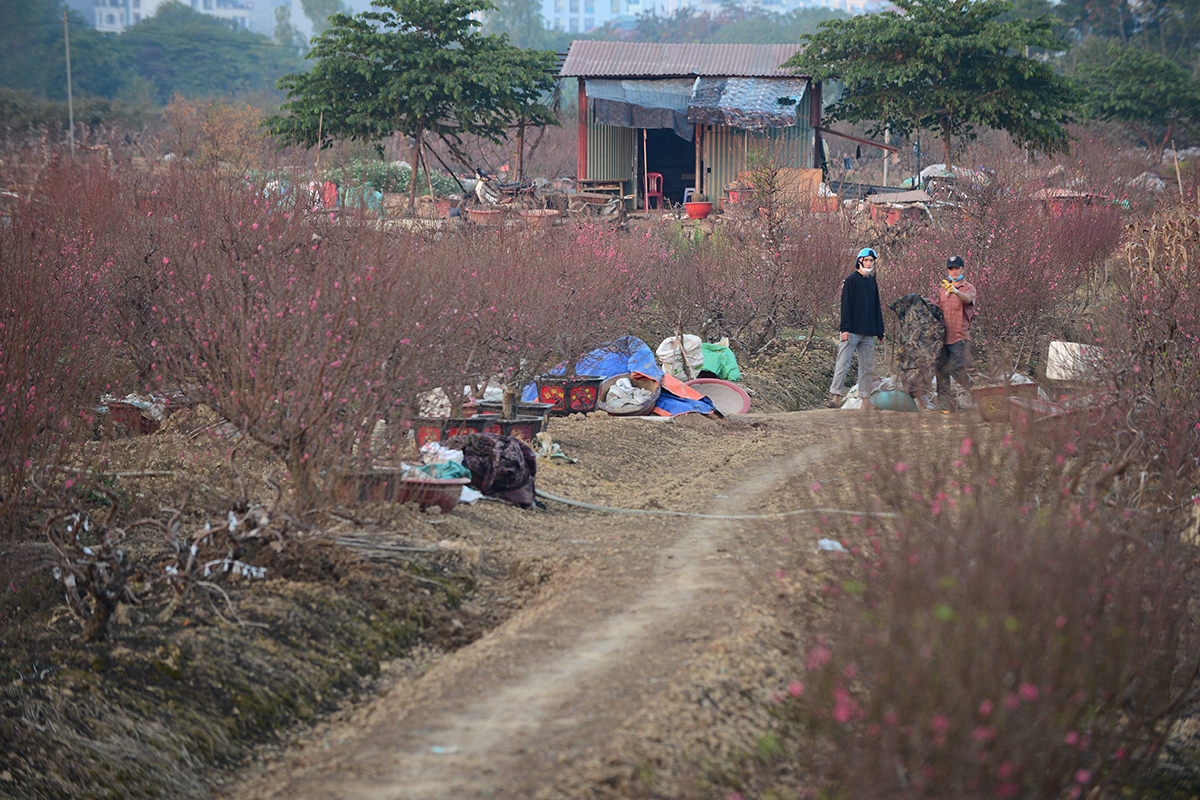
(1178, 179)
(699, 139)
(320, 128)
(521, 150)
(70, 100)
(581, 167)
(887, 139)
(646, 174)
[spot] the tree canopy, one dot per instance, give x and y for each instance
(178, 50)
(1146, 91)
(949, 65)
(419, 68)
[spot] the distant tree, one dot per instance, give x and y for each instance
(33, 54)
(684, 26)
(319, 12)
(521, 20)
(1104, 18)
(183, 51)
(775, 28)
(1172, 29)
(1146, 91)
(947, 65)
(419, 68)
(286, 33)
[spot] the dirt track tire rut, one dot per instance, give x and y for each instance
(552, 686)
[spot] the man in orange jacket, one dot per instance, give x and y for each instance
(956, 299)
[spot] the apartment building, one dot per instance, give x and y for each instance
(258, 16)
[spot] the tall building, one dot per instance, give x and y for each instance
(257, 16)
(580, 16)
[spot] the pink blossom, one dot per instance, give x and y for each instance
(1072, 738)
(817, 658)
(795, 688)
(1028, 691)
(1082, 776)
(983, 733)
(985, 709)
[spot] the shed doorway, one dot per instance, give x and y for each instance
(665, 152)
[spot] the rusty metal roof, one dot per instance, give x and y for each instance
(588, 59)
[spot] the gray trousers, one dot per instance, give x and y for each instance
(865, 347)
(952, 363)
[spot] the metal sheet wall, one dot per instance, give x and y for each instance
(610, 153)
(725, 151)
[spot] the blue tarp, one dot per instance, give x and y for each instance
(627, 354)
(674, 404)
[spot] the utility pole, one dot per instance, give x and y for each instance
(70, 102)
(887, 139)
(917, 180)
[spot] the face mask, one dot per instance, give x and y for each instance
(867, 270)
(959, 278)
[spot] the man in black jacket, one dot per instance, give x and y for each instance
(862, 324)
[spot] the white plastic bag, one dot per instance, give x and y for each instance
(668, 355)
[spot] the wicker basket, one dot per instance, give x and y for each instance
(641, 383)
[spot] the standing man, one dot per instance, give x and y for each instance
(861, 325)
(956, 299)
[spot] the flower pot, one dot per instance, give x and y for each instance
(992, 401)
(492, 217)
(524, 409)
(388, 486)
(539, 217)
(697, 210)
(439, 429)
(569, 395)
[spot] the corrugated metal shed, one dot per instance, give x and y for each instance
(587, 59)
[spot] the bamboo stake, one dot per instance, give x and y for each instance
(320, 129)
(1178, 179)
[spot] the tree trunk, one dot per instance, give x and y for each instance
(508, 409)
(412, 181)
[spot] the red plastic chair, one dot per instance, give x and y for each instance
(654, 183)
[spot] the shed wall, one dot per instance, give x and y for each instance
(611, 153)
(725, 151)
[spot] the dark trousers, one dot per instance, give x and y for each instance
(952, 363)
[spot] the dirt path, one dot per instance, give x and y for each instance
(549, 690)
